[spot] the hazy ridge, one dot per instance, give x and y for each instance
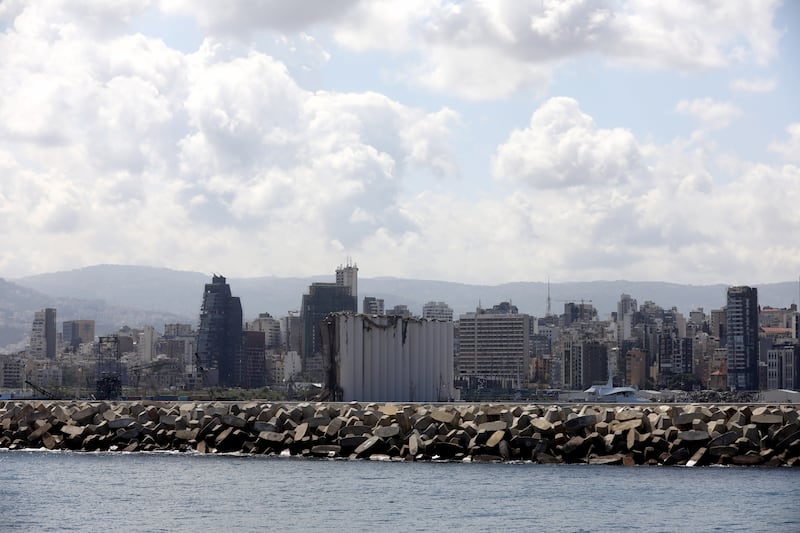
(116, 295)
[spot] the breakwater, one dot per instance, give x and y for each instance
(647, 434)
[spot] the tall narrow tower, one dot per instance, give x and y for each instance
(742, 338)
(43, 334)
(219, 338)
(348, 276)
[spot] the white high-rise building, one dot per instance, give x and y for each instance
(494, 347)
(43, 334)
(271, 327)
(373, 306)
(437, 311)
(348, 276)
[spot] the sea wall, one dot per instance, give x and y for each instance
(651, 434)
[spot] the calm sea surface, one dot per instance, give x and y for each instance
(44, 491)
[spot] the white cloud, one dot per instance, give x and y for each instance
(491, 49)
(165, 156)
(789, 149)
(237, 17)
(754, 85)
(712, 114)
(480, 49)
(562, 147)
(602, 202)
(118, 148)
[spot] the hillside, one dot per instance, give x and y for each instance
(180, 293)
(18, 304)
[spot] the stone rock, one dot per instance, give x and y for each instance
(272, 437)
(352, 442)
(497, 425)
(373, 444)
(694, 436)
(614, 459)
(542, 426)
(766, 419)
(573, 445)
(37, 434)
(697, 457)
(326, 450)
(186, 434)
(413, 444)
(73, 431)
(626, 414)
(718, 451)
(628, 425)
(447, 450)
(445, 416)
(84, 415)
(355, 430)
(747, 459)
(129, 434)
(119, 423)
(553, 414)
(724, 439)
(495, 438)
(387, 432)
(579, 423)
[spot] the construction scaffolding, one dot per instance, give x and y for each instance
(109, 379)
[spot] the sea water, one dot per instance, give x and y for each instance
(65, 491)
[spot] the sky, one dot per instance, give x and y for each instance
(472, 141)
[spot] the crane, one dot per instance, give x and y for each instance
(47, 394)
(204, 373)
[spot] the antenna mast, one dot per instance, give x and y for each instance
(549, 313)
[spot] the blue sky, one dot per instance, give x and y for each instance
(469, 141)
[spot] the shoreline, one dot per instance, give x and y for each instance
(607, 434)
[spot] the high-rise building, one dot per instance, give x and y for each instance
(373, 306)
(271, 327)
(494, 347)
(77, 332)
(585, 363)
(674, 355)
(718, 325)
(43, 334)
(742, 338)
(437, 311)
(347, 275)
(782, 366)
(291, 333)
(400, 310)
(252, 372)
(323, 299)
(219, 339)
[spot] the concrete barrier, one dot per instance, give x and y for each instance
(652, 434)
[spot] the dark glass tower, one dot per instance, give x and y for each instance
(742, 338)
(219, 339)
(321, 300)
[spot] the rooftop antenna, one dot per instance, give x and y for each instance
(549, 313)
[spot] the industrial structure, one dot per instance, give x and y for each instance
(108, 372)
(387, 358)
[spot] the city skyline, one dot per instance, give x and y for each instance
(467, 141)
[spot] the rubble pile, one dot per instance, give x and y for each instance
(652, 434)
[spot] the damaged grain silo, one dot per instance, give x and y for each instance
(387, 358)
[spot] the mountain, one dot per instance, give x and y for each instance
(18, 304)
(180, 293)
